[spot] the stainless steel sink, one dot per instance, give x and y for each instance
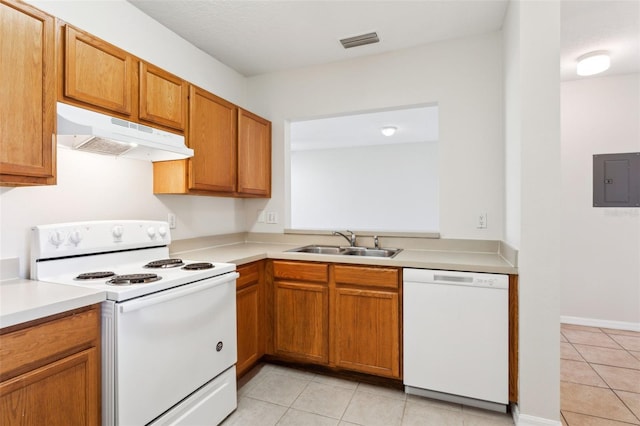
(373, 252)
(348, 251)
(315, 249)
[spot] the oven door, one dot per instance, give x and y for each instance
(171, 343)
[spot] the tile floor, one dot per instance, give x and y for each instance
(600, 376)
(275, 395)
(600, 386)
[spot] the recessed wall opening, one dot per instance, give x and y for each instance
(346, 174)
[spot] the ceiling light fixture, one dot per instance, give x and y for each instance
(593, 63)
(389, 130)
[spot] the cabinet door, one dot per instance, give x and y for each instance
(163, 97)
(27, 100)
(367, 331)
(254, 155)
(64, 392)
(249, 316)
(301, 321)
(97, 73)
(212, 135)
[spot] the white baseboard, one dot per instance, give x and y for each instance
(527, 420)
(591, 322)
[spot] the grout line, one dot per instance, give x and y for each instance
(597, 346)
(623, 403)
(596, 417)
(602, 378)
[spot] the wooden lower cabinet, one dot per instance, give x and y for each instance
(366, 336)
(300, 304)
(50, 370)
(301, 324)
(250, 315)
(366, 319)
(60, 393)
(340, 316)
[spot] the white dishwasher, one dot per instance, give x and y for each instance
(456, 337)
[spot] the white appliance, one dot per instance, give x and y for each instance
(168, 326)
(456, 337)
(91, 131)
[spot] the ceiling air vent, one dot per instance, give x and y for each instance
(360, 40)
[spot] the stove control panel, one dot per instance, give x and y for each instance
(69, 239)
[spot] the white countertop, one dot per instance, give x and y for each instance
(25, 300)
(242, 253)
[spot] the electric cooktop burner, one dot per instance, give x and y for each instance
(198, 266)
(133, 279)
(165, 263)
(94, 275)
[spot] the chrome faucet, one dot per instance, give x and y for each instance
(351, 238)
(376, 243)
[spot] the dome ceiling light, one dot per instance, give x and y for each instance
(389, 130)
(593, 63)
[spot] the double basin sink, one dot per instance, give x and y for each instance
(348, 251)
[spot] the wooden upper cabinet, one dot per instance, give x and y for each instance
(98, 74)
(28, 102)
(163, 97)
(254, 154)
(232, 152)
(212, 136)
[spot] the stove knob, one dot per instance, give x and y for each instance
(162, 231)
(75, 237)
(117, 232)
(56, 238)
(151, 232)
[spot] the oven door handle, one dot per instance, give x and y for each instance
(143, 302)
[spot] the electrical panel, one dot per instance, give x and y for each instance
(616, 180)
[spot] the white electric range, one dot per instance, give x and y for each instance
(168, 325)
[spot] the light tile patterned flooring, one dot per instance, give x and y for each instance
(600, 376)
(275, 395)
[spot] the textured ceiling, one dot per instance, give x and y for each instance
(600, 25)
(256, 37)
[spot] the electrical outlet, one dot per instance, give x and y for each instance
(261, 216)
(272, 217)
(171, 218)
(482, 221)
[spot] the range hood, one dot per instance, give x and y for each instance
(90, 131)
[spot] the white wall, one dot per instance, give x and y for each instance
(532, 137)
(122, 24)
(464, 77)
(601, 272)
(357, 188)
(94, 187)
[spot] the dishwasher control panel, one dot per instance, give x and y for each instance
(475, 279)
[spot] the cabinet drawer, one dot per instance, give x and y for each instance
(367, 276)
(28, 348)
(301, 271)
(248, 274)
